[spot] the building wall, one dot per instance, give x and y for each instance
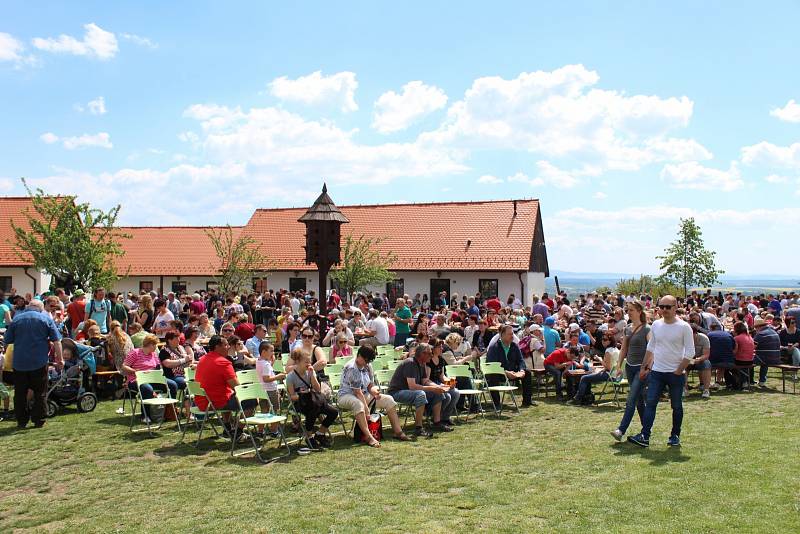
(22, 282)
(413, 282)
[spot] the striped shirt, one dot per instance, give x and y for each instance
(139, 361)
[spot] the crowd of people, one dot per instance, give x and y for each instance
(569, 344)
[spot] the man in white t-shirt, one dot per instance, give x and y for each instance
(377, 330)
(669, 352)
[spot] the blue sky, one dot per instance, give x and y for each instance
(621, 118)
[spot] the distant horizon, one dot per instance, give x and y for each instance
(616, 275)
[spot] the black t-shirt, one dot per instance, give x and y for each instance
(149, 316)
(437, 370)
(164, 354)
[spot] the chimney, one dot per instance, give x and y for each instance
(515, 208)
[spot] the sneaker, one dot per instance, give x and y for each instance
(573, 401)
(617, 434)
(639, 440)
(313, 445)
(762, 384)
(421, 432)
(442, 427)
(706, 394)
(674, 441)
(323, 440)
(683, 394)
(715, 386)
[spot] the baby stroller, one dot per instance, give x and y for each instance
(67, 387)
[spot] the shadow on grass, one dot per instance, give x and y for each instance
(655, 457)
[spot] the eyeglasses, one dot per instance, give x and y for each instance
(665, 306)
(227, 330)
(343, 343)
(308, 336)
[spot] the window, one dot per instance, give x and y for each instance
(179, 287)
(259, 284)
(297, 284)
(5, 284)
(488, 287)
(212, 284)
(145, 286)
(394, 290)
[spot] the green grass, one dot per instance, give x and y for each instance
(552, 468)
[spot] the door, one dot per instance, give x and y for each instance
(394, 290)
(297, 284)
(437, 286)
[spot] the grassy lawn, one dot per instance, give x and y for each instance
(552, 468)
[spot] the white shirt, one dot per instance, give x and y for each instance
(295, 304)
(264, 368)
(670, 345)
(496, 338)
(381, 329)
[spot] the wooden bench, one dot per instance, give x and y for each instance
(785, 370)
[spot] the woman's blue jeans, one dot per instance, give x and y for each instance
(586, 382)
(635, 401)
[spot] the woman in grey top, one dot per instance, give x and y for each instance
(634, 346)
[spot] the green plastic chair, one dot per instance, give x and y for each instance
(210, 414)
(189, 373)
(380, 363)
(334, 368)
(394, 364)
(495, 369)
(398, 353)
(255, 391)
(477, 395)
(381, 350)
(326, 351)
(278, 366)
(383, 377)
(249, 376)
(154, 377)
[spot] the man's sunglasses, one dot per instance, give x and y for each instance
(665, 306)
(308, 336)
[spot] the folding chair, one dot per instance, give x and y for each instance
(336, 382)
(326, 351)
(382, 378)
(256, 392)
(394, 364)
(334, 368)
(495, 369)
(476, 395)
(155, 377)
(194, 389)
(249, 376)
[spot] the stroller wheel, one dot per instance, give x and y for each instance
(87, 402)
(52, 408)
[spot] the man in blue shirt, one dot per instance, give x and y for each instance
(552, 339)
(31, 332)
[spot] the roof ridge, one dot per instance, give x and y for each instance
(445, 203)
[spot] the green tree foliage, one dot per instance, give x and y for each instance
(71, 241)
(646, 285)
(686, 262)
(362, 265)
(239, 259)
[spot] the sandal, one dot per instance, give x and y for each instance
(402, 437)
(375, 443)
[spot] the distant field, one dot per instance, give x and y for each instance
(577, 286)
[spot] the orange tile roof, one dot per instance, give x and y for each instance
(12, 209)
(424, 237)
(167, 250)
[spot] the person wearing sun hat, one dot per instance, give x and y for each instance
(768, 348)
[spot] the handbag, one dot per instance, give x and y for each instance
(312, 401)
(374, 424)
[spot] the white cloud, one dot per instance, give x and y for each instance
(10, 48)
(139, 40)
(599, 195)
(6, 185)
(276, 142)
(395, 112)
(692, 175)
(769, 155)
(96, 42)
(776, 179)
(489, 179)
(98, 140)
(97, 106)
(789, 113)
(49, 138)
(559, 114)
(316, 89)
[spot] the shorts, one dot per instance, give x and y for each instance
(274, 399)
(353, 404)
(702, 366)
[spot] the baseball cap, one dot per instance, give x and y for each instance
(550, 321)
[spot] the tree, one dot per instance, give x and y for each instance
(686, 261)
(646, 285)
(239, 259)
(362, 265)
(73, 242)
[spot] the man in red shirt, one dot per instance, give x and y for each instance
(559, 361)
(77, 310)
(216, 376)
(244, 329)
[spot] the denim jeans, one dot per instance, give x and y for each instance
(449, 402)
(796, 356)
(148, 393)
(762, 371)
(586, 382)
(556, 373)
(416, 397)
(657, 381)
(636, 394)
